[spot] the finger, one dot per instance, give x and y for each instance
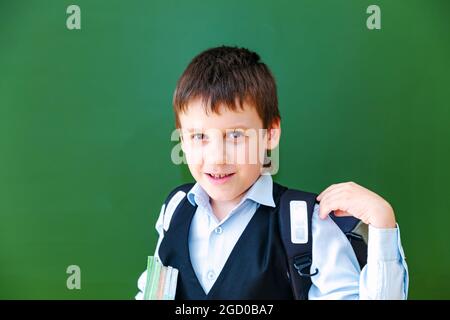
(332, 194)
(319, 197)
(341, 213)
(329, 189)
(338, 193)
(332, 204)
(335, 202)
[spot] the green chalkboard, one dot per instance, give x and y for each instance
(86, 118)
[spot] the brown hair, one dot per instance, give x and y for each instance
(228, 75)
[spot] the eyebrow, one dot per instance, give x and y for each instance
(230, 128)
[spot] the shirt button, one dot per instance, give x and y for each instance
(211, 275)
(218, 230)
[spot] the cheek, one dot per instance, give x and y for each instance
(196, 170)
(254, 152)
(194, 156)
(197, 167)
(252, 170)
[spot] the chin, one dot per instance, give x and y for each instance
(217, 194)
(220, 195)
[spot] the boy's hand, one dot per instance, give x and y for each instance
(351, 199)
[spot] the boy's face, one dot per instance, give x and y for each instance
(225, 151)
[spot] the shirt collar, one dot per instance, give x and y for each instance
(260, 192)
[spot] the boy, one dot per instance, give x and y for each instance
(227, 245)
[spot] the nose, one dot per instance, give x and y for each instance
(215, 153)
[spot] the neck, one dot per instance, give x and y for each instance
(223, 208)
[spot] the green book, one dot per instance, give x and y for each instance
(148, 281)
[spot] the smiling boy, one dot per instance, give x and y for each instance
(222, 233)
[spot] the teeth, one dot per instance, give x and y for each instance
(218, 176)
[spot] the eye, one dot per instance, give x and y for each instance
(235, 134)
(198, 137)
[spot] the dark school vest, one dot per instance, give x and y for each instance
(255, 269)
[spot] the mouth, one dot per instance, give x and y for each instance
(219, 178)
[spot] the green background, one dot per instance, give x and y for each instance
(86, 117)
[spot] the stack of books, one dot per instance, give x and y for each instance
(161, 281)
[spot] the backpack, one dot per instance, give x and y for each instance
(300, 206)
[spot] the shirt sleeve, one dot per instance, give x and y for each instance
(143, 278)
(385, 275)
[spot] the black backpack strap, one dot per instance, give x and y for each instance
(299, 255)
(170, 208)
(184, 187)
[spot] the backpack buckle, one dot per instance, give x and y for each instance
(354, 236)
(304, 262)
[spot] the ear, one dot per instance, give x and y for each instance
(273, 135)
